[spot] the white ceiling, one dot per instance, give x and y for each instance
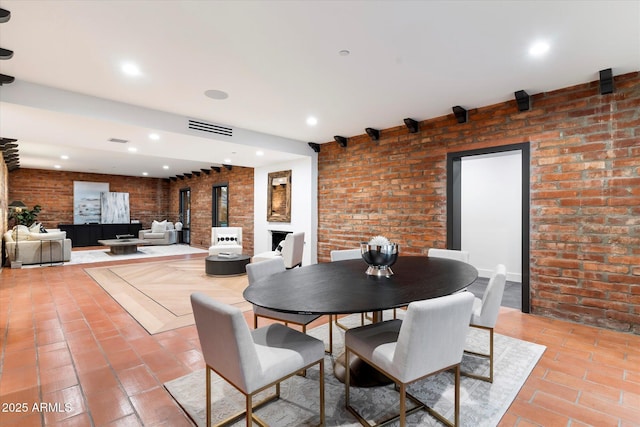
(279, 62)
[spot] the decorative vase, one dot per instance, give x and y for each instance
(380, 258)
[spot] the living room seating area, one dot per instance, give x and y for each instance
(160, 233)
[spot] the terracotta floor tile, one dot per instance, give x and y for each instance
(596, 402)
(97, 380)
(108, 405)
(70, 401)
(58, 378)
(89, 361)
(92, 354)
(128, 421)
(20, 359)
(575, 411)
(123, 359)
(154, 406)
(21, 420)
(137, 380)
(53, 359)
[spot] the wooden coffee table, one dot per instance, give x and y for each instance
(122, 246)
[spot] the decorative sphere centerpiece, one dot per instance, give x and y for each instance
(380, 254)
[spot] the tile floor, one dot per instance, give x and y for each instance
(66, 343)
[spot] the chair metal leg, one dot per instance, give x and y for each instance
(487, 356)
(403, 405)
(321, 379)
(208, 394)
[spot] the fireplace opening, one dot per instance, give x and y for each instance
(277, 237)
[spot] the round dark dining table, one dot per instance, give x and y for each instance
(342, 287)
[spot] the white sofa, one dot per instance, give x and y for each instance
(35, 247)
(160, 233)
(226, 239)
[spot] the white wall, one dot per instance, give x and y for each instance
(304, 206)
(491, 212)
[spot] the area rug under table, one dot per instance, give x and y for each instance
(481, 403)
(157, 294)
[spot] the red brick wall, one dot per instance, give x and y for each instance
(240, 182)
(585, 194)
(53, 190)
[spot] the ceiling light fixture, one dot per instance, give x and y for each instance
(145, 173)
(227, 161)
(259, 153)
(132, 149)
(312, 121)
(216, 94)
(154, 136)
(539, 48)
(165, 167)
(344, 52)
(131, 69)
(57, 166)
(64, 157)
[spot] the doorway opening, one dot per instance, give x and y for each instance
(456, 206)
(184, 214)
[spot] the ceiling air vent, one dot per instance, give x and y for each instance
(119, 141)
(210, 128)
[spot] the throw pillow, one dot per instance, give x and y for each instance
(227, 239)
(159, 227)
(279, 247)
(42, 229)
(21, 232)
(35, 227)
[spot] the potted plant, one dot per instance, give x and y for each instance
(24, 216)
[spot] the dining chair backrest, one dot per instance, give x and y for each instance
(491, 299)
(258, 270)
(432, 335)
(449, 254)
(343, 254)
(226, 341)
(292, 249)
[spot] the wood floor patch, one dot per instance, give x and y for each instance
(157, 294)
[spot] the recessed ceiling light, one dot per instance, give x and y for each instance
(154, 136)
(227, 161)
(312, 121)
(539, 48)
(145, 173)
(131, 69)
(132, 149)
(57, 166)
(165, 167)
(259, 153)
(64, 157)
(344, 52)
(216, 94)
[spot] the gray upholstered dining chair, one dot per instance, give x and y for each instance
(485, 315)
(255, 271)
(449, 254)
(291, 252)
(251, 361)
(429, 340)
(342, 255)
